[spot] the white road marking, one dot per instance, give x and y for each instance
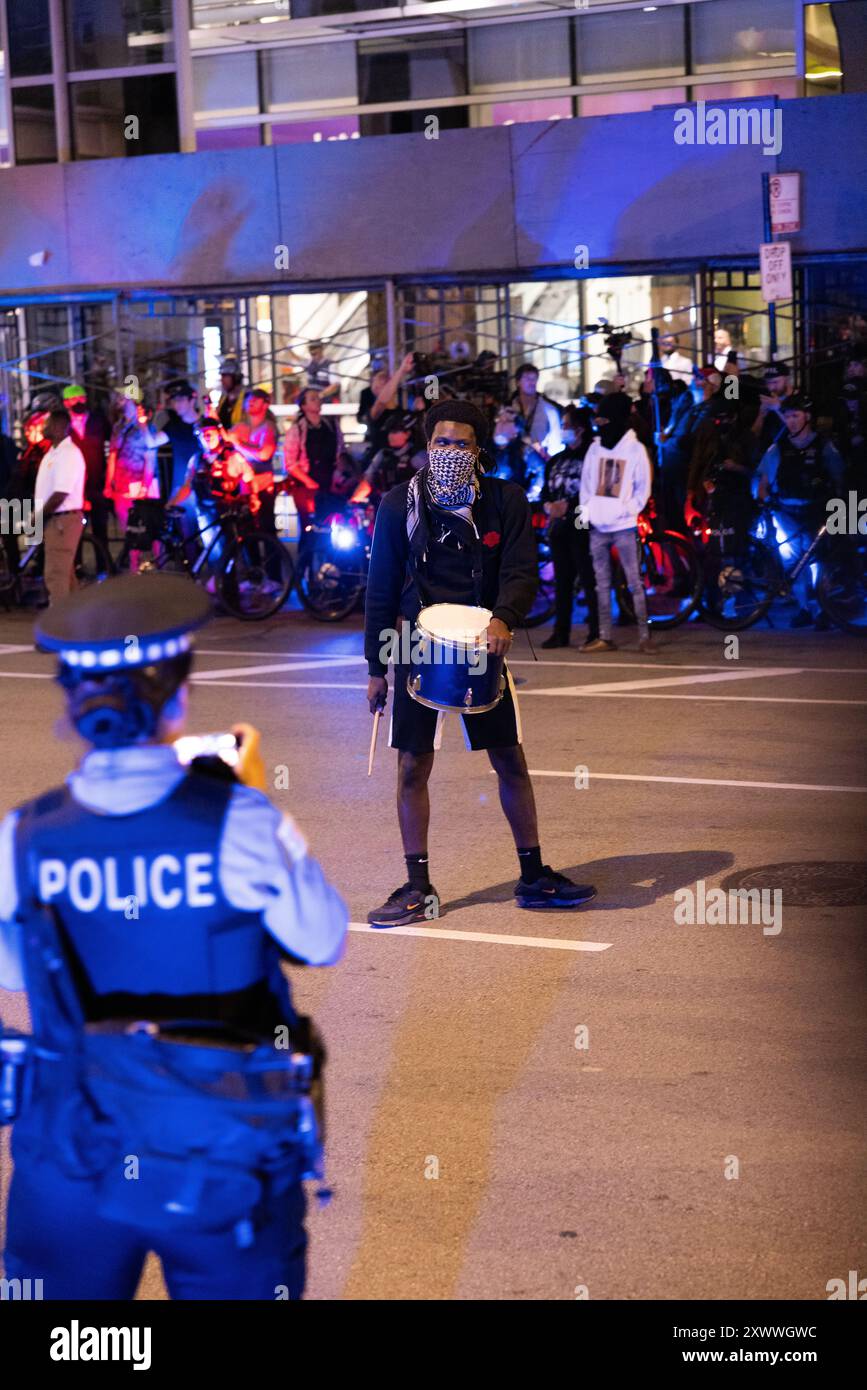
(525, 690)
(10, 649)
(550, 943)
(735, 699)
(312, 665)
(588, 664)
(702, 781)
(652, 682)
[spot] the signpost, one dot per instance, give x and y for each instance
(785, 195)
(775, 265)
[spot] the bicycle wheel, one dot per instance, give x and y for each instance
(842, 586)
(672, 577)
(92, 563)
(256, 577)
(328, 592)
(740, 584)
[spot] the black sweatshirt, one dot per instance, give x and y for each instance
(509, 564)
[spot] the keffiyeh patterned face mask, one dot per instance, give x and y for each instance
(451, 476)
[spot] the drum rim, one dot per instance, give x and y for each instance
(452, 709)
(451, 641)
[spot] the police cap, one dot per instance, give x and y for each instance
(133, 620)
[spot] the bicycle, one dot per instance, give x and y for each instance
(746, 573)
(670, 570)
(92, 564)
(671, 573)
(333, 562)
(228, 548)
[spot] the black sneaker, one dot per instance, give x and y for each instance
(553, 891)
(404, 906)
(555, 640)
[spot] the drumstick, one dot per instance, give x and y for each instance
(373, 737)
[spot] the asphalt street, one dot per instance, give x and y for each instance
(527, 1105)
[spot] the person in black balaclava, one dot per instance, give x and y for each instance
(615, 486)
(454, 535)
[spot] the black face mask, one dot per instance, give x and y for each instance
(80, 408)
(611, 434)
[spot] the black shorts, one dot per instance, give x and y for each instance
(417, 729)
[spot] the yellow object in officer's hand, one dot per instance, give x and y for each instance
(250, 768)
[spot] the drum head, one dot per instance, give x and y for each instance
(454, 622)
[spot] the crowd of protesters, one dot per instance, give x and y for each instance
(697, 444)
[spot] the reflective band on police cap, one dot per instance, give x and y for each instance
(132, 620)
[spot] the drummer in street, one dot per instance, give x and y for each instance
(453, 535)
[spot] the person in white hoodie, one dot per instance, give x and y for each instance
(615, 486)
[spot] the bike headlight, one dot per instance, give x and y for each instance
(342, 537)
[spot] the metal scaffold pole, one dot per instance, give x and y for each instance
(391, 324)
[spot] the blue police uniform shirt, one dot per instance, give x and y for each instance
(134, 847)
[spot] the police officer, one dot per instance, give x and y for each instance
(802, 470)
(145, 907)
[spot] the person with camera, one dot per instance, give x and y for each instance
(146, 906)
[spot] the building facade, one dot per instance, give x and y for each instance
(187, 177)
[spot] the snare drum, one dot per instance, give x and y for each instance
(450, 667)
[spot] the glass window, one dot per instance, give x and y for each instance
(824, 70)
(621, 103)
(516, 112)
(209, 14)
(634, 44)
(742, 34)
(406, 69)
(329, 128)
(29, 38)
(4, 133)
(229, 138)
(309, 74)
(535, 54)
(33, 123)
(413, 122)
(118, 33)
(226, 84)
(783, 87)
(124, 116)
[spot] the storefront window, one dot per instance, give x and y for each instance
(636, 44)
(517, 112)
(621, 103)
(4, 133)
(425, 65)
(229, 138)
(109, 34)
(741, 34)
(29, 38)
(125, 116)
(782, 87)
(327, 128)
(310, 75)
(33, 123)
(225, 84)
(522, 56)
(836, 44)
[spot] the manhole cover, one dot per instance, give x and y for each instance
(808, 885)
